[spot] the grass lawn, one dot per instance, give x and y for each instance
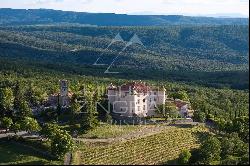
(159, 148)
(12, 154)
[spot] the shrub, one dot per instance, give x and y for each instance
(184, 157)
(210, 150)
(6, 123)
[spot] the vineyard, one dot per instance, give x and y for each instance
(155, 149)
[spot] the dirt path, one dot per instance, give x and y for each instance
(143, 132)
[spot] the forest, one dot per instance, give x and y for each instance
(23, 88)
(215, 56)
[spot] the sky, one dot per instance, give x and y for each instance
(228, 8)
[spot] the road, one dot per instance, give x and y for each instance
(21, 133)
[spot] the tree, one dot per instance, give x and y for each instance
(24, 110)
(34, 95)
(58, 110)
(107, 118)
(75, 105)
(61, 141)
(228, 107)
(244, 160)
(16, 127)
(182, 95)
(184, 157)
(6, 123)
(30, 125)
(232, 145)
(230, 160)
(6, 102)
(199, 116)
(49, 130)
(75, 108)
(210, 150)
(89, 120)
(227, 148)
(167, 110)
(241, 126)
(220, 124)
(238, 125)
(61, 144)
(104, 109)
(17, 96)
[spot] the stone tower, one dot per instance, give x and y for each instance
(64, 88)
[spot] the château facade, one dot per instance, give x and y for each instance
(136, 99)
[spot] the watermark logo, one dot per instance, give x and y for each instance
(121, 102)
(134, 40)
(117, 38)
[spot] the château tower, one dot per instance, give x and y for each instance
(62, 98)
(63, 88)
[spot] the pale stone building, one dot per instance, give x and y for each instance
(184, 107)
(63, 97)
(136, 99)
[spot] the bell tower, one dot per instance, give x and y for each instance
(63, 88)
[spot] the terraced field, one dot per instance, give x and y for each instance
(155, 149)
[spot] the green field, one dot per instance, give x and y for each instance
(103, 131)
(155, 149)
(110, 131)
(13, 154)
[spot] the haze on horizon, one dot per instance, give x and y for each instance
(214, 8)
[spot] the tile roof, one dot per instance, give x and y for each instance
(139, 87)
(180, 103)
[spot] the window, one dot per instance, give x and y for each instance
(150, 100)
(155, 99)
(138, 102)
(155, 93)
(144, 100)
(144, 107)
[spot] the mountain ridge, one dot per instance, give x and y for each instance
(10, 16)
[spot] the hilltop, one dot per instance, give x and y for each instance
(45, 16)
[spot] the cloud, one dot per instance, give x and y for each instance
(208, 7)
(46, 1)
(85, 1)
